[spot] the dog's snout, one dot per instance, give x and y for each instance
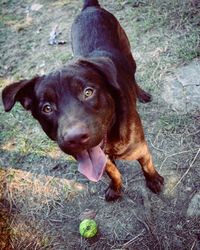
(76, 136)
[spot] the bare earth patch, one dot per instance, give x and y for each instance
(182, 88)
(42, 196)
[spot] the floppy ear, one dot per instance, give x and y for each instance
(21, 91)
(104, 66)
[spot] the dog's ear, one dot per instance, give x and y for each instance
(21, 91)
(104, 66)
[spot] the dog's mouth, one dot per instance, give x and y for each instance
(92, 162)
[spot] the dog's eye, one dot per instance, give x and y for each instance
(47, 108)
(88, 92)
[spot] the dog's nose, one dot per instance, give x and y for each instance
(76, 136)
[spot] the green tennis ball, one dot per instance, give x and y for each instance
(88, 228)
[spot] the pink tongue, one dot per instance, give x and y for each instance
(92, 163)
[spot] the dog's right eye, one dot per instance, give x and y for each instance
(47, 109)
(88, 92)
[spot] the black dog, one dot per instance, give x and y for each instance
(89, 106)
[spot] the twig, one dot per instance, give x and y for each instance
(192, 134)
(156, 137)
(193, 245)
(194, 159)
(183, 152)
(156, 147)
(156, 68)
(132, 240)
(141, 221)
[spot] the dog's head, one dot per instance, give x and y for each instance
(74, 106)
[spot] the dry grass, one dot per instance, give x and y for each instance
(41, 193)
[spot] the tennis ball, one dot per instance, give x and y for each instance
(88, 228)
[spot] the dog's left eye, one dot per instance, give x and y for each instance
(88, 92)
(47, 108)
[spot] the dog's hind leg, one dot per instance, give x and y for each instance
(142, 95)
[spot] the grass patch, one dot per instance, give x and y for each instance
(163, 35)
(176, 25)
(188, 46)
(174, 123)
(11, 136)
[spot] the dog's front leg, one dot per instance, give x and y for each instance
(113, 192)
(154, 181)
(141, 153)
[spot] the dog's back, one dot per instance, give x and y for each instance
(96, 28)
(96, 33)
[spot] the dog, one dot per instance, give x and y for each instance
(89, 106)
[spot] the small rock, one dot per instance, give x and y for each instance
(194, 206)
(36, 7)
(182, 88)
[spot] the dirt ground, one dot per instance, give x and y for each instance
(42, 196)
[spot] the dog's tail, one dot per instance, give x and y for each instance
(88, 3)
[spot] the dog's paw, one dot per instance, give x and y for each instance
(155, 183)
(143, 96)
(111, 194)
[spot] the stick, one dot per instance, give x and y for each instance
(183, 152)
(194, 159)
(132, 240)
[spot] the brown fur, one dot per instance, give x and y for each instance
(103, 62)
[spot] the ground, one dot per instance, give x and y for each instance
(42, 196)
